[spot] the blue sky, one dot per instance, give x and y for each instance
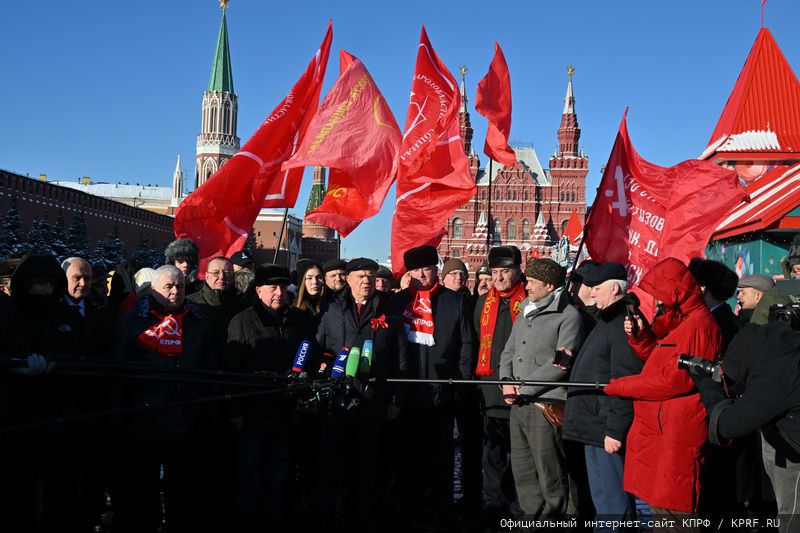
(112, 90)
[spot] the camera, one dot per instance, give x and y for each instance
(789, 313)
(699, 366)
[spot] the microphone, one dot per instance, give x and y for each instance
(341, 360)
(301, 356)
(352, 362)
(366, 357)
(326, 358)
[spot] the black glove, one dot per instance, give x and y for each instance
(711, 392)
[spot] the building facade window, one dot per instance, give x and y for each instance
(456, 253)
(458, 232)
(512, 230)
(497, 224)
(526, 229)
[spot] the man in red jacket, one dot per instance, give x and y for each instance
(667, 443)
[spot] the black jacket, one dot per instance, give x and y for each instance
(590, 415)
(451, 357)
(493, 403)
(218, 307)
(728, 322)
(198, 353)
(339, 328)
(767, 360)
(263, 339)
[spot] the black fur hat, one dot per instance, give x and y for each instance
(182, 249)
(717, 278)
(271, 275)
(421, 256)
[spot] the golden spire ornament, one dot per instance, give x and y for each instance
(224, 4)
(570, 71)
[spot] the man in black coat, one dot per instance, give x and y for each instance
(599, 422)
(440, 340)
(718, 284)
(163, 330)
(495, 313)
(218, 299)
(265, 337)
(353, 442)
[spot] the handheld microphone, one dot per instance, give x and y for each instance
(352, 362)
(341, 360)
(366, 357)
(326, 359)
(301, 356)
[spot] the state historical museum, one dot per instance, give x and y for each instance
(530, 206)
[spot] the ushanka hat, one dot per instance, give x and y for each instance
(270, 274)
(546, 270)
(504, 257)
(419, 257)
(718, 279)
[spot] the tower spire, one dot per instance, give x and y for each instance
(221, 79)
(217, 141)
(569, 99)
(177, 183)
(463, 114)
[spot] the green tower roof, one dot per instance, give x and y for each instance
(221, 73)
(315, 197)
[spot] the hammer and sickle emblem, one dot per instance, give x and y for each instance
(377, 112)
(170, 326)
(338, 192)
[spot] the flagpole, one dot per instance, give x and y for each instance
(489, 223)
(280, 238)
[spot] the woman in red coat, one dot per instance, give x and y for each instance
(667, 442)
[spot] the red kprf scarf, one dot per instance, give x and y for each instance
(165, 337)
(418, 315)
(489, 319)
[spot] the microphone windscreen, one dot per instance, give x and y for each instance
(352, 362)
(301, 356)
(339, 364)
(366, 357)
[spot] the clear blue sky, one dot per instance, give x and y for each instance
(112, 90)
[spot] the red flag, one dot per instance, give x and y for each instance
(433, 106)
(219, 214)
(355, 134)
(433, 176)
(644, 212)
(493, 101)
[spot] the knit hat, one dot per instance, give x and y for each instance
(546, 270)
(454, 264)
(270, 274)
(419, 257)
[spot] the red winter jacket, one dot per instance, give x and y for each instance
(667, 442)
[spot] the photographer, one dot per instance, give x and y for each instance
(765, 359)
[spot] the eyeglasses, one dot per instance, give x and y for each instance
(218, 273)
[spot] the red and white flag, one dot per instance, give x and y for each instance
(493, 101)
(433, 171)
(644, 212)
(218, 215)
(355, 134)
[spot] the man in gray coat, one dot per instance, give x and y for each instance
(537, 452)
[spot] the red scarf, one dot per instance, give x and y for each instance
(489, 314)
(418, 315)
(165, 337)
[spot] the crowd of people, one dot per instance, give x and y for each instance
(176, 400)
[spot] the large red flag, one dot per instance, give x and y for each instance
(355, 134)
(493, 101)
(644, 212)
(219, 214)
(433, 177)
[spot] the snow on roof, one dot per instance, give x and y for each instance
(119, 190)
